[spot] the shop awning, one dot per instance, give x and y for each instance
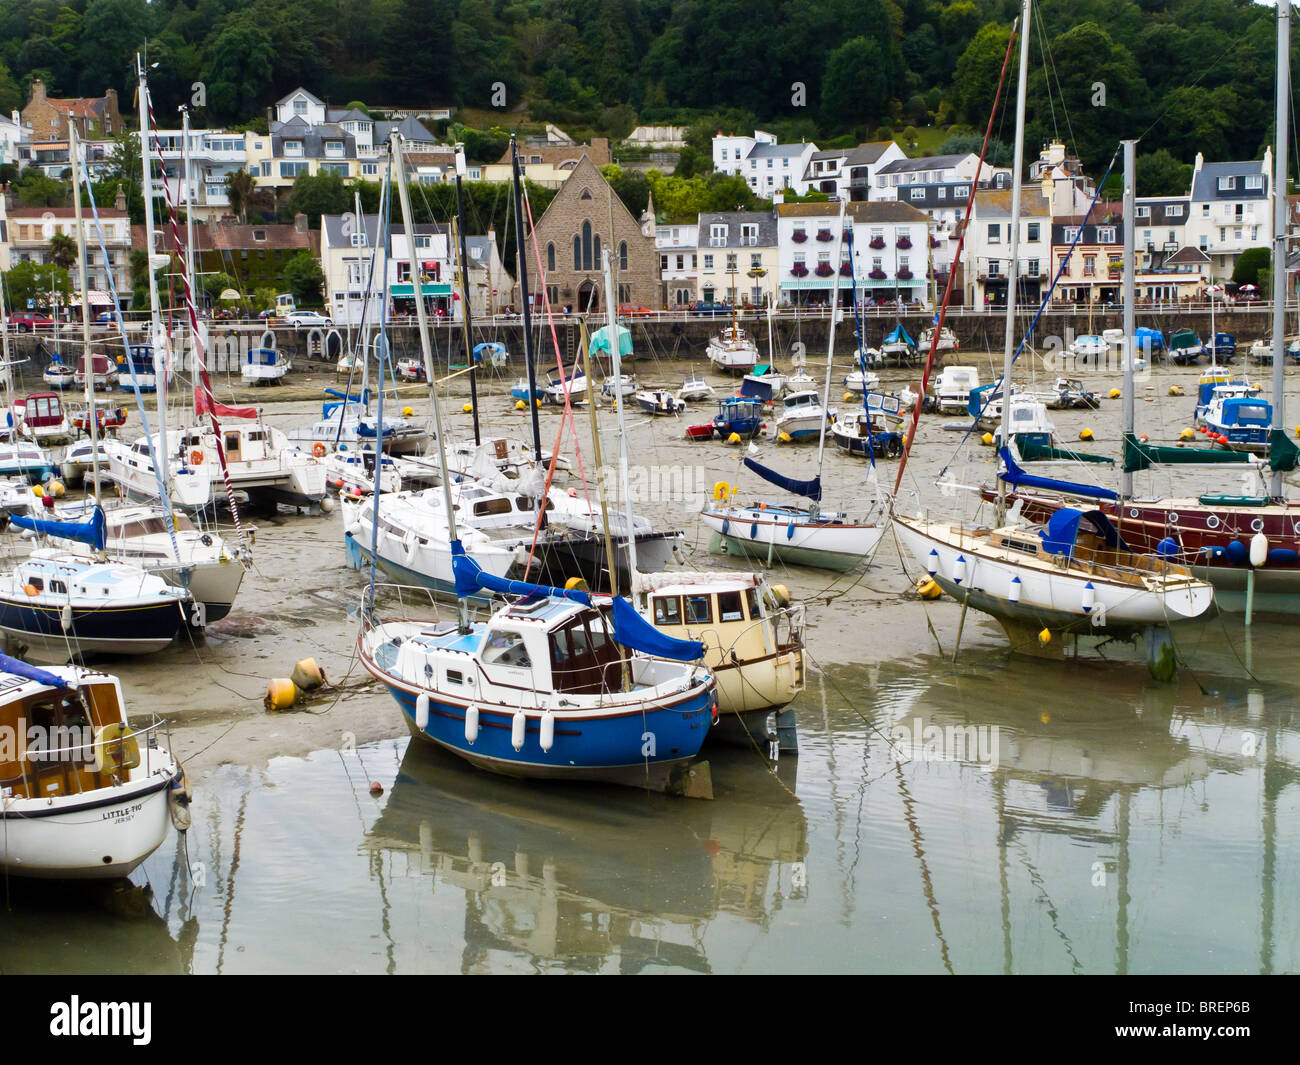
(408, 291)
(825, 284)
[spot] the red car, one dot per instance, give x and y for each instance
(633, 311)
(27, 321)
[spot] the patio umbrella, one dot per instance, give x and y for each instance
(600, 341)
(229, 295)
(1248, 288)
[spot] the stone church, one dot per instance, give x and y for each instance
(573, 232)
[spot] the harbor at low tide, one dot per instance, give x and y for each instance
(1110, 823)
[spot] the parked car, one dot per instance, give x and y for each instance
(704, 307)
(633, 311)
(27, 321)
(308, 319)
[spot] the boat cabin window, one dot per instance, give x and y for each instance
(729, 608)
(506, 648)
(492, 506)
(232, 442)
(583, 657)
(699, 609)
(668, 610)
(454, 676)
(58, 586)
(37, 582)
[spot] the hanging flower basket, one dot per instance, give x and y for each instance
(798, 236)
(934, 242)
(904, 275)
(877, 242)
(824, 234)
(799, 270)
(904, 242)
(846, 269)
(847, 235)
(825, 270)
(877, 275)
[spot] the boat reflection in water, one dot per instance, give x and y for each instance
(574, 885)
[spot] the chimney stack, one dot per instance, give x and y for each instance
(300, 223)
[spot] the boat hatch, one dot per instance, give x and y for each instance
(584, 659)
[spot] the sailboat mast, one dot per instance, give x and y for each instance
(521, 258)
(157, 337)
(1013, 268)
(616, 366)
(830, 342)
(1129, 296)
(462, 272)
(74, 153)
(1279, 224)
(189, 193)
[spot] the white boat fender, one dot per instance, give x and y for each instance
(548, 730)
(471, 724)
(959, 569)
(1258, 549)
(1089, 597)
(933, 559)
(178, 803)
(65, 616)
(1013, 594)
(517, 729)
(422, 711)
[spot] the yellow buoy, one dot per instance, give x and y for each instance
(56, 489)
(781, 594)
(407, 412)
(1174, 390)
(307, 675)
(1045, 637)
(578, 584)
(734, 438)
(783, 436)
(987, 439)
(468, 408)
(520, 404)
(1186, 434)
(928, 588)
(1085, 434)
(848, 396)
(1044, 717)
(281, 693)
(538, 401)
(1114, 393)
(38, 491)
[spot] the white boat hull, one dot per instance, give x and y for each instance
(792, 537)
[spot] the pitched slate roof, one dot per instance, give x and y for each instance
(778, 151)
(1188, 254)
(313, 138)
(878, 211)
(1206, 186)
(733, 220)
(868, 153)
(932, 162)
(1158, 211)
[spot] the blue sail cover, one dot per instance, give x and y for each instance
(16, 668)
(630, 628)
(364, 398)
(492, 349)
(87, 532)
(899, 336)
(1062, 530)
(812, 489)
(1018, 478)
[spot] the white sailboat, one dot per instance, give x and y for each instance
(806, 536)
(1078, 574)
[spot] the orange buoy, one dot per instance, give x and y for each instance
(196, 458)
(318, 449)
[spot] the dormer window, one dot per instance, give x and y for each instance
(1226, 184)
(1254, 182)
(1174, 210)
(259, 234)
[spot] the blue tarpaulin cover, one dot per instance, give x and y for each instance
(87, 532)
(812, 489)
(630, 628)
(1018, 478)
(22, 669)
(1063, 530)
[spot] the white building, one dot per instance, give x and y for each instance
(930, 170)
(13, 134)
(890, 252)
(986, 251)
(213, 154)
(1229, 209)
(678, 262)
(739, 258)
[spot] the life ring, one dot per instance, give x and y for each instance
(196, 458)
(318, 449)
(720, 491)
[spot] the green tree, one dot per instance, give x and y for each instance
(36, 190)
(34, 281)
(239, 72)
(11, 96)
(978, 71)
(1250, 264)
(239, 191)
(304, 277)
(998, 154)
(63, 250)
(1159, 173)
(855, 85)
(318, 194)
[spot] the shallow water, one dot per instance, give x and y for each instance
(992, 814)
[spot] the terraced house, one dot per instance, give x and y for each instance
(739, 258)
(95, 117)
